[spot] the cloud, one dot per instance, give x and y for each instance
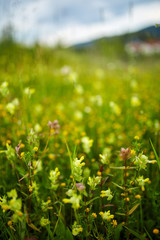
(71, 22)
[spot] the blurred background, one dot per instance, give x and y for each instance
(69, 22)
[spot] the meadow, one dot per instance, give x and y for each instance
(79, 144)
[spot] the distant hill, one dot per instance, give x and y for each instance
(148, 33)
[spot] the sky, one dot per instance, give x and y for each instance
(75, 21)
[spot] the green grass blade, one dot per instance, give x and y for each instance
(135, 233)
(148, 234)
(70, 156)
(155, 153)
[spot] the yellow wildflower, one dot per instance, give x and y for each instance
(133, 152)
(22, 154)
(138, 196)
(156, 231)
(87, 210)
(99, 173)
(9, 223)
(114, 223)
(101, 213)
(136, 138)
(35, 149)
(94, 215)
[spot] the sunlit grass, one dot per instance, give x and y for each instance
(79, 145)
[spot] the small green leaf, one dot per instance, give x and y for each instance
(123, 168)
(148, 234)
(87, 203)
(133, 209)
(31, 225)
(118, 186)
(154, 150)
(69, 235)
(135, 233)
(121, 214)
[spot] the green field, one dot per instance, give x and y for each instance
(79, 143)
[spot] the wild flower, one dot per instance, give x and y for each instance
(11, 107)
(141, 161)
(115, 108)
(54, 175)
(141, 181)
(106, 215)
(13, 204)
(17, 148)
(78, 115)
(10, 225)
(156, 231)
(87, 210)
(79, 89)
(35, 149)
(80, 187)
(74, 199)
(97, 100)
(76, 229)
(133, 152)
(33, 188)
(37, 128)
(99, 173)
(94, 215)
(63, 184)
(138, 196)
(37, 166)
(29, 91)
(46, 205)
(77, 165)
(44, 222)
(125, 154)
(107, 194)
(135, 102)
(4, 89)
(105, 157)
(33, 138)
(114, 223)
(86, 144)
(93, 182)
(54, 126)
(136, 137)
(10, 153)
